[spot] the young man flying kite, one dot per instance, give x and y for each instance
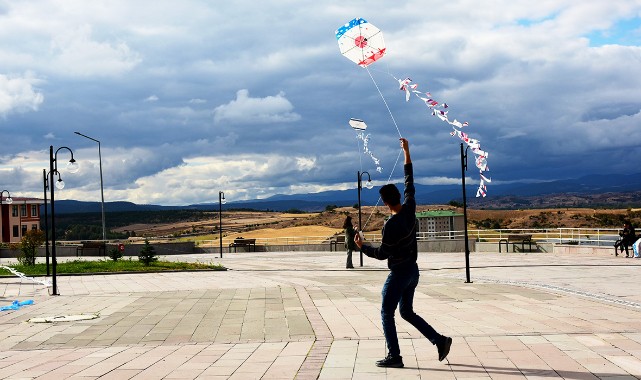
(399, 248)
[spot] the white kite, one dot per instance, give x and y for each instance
(363, 43)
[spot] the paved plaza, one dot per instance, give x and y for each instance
(301, 315)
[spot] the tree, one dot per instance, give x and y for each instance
(455, 203)
(115, 254)
(29, 244)
(147, 254)
(331, 208)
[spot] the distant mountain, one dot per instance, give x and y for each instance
(592, 188)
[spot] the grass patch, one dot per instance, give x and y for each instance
(110, 266)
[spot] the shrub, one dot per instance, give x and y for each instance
(147, 254)
(29, 244)
(115, 254)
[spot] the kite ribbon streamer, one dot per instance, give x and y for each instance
(22, 275)
(365, 138)
(440, 110)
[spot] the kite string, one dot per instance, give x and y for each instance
(399, 134)
(384, 101)
(388, 181)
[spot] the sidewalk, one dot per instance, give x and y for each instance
(301, 315)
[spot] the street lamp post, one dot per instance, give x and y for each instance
(46, 187)
(72, 166)
(221, 200)
(102, 194)
(467, 244)
(8, 200)
(45, 177)
(368, 185)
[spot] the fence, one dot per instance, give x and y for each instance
(286, 240)
(579, 236)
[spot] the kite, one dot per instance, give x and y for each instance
(359, 125)
(361, 42)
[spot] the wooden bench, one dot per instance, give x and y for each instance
(242, 242)
(514, 240)
(335, 241)
(98, 246)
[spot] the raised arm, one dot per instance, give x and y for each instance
(405, 145)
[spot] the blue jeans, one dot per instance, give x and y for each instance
(399, 290)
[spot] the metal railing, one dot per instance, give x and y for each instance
(288, 240)
(579, 236)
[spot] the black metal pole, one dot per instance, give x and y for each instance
(53, 224)
(220, 222)
(44, 176)
(467, 245)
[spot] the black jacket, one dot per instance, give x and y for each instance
(349, 238)
(398, 245)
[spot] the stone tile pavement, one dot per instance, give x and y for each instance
(301, 315)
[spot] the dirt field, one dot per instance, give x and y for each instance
(256, 224)
(316, 233)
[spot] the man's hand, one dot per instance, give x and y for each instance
(405, 145)
(358, 240)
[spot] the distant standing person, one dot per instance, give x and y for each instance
(399, 248)
(350, 245)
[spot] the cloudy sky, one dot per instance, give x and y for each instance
(254, 98)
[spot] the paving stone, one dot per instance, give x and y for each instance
(524, 316)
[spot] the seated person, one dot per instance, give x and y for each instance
(628, 237)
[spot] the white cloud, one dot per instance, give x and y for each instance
(199, 179)
(76, 53)
(441, 180)
(536, 87)
(245, 109)
(17, 94)
(305, 163)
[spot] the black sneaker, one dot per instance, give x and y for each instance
(391, 362)
(444, 348)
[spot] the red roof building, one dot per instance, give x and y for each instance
(18, 217)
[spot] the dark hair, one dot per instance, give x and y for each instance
(390, 194)
(348, 221)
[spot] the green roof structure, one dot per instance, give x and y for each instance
(436, 214)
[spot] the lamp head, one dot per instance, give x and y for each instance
(60, 184)
(6, 200)
(72, 166)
